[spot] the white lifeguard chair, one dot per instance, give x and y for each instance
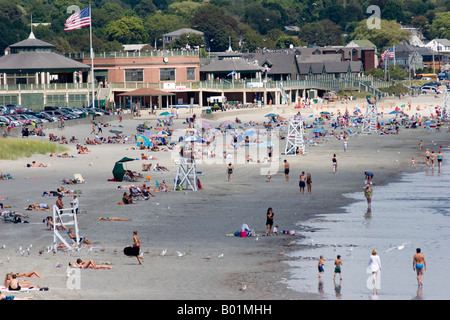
(295, 139)
(186, 174)
(370, 123)
(446, 105)
(69, 215)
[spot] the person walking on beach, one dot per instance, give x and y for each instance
(320, 266)
(420, 145)
(337, 268)
(368, 195)
(334, 162)
(286, 169)
(419, 265)
(432, 159)
(309, 182)
(345, 145)
(269, 221)
(137, 243)
(302, 183)
(374, 266)
(230, 171)
(439, 157)
(427, 157)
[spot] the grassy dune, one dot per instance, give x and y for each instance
(12, 149)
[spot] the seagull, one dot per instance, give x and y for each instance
(282, 252)
(399, 247)
(163, 253)
(220, 255)
(291, 243)
(3, 247)
(181, 254)
(243, 288)
(208, 256)
(115, 250)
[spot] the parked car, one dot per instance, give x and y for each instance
(31, 118)
(105, 112)
(49, 116)
(10, 121)
(50, 108)
(432, 84)
(69, 113)
(3, 110)
(37, 115)
(429, 89)
(14, 117)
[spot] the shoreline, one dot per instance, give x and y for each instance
(186, 222)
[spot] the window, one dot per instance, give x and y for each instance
(190, 74)
(134, 75)
(167, 74)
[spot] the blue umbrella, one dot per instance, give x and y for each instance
(270, 115)
(319, 130)
(395, 112)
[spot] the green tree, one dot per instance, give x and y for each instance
(389, 34)
(321, 33)
(127, 30)
(192, 40)
(286, 42)
(158, 24)
(440, 27)
(144, 8)
(393, 11)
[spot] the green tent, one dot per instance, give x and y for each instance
(118, 170)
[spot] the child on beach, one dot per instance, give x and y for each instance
(320, 266)
(337, 268)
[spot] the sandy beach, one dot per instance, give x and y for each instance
(194, 223)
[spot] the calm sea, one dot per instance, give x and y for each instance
(414, 211)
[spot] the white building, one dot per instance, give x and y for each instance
(439, 45)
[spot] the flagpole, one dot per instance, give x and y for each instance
(92, 56)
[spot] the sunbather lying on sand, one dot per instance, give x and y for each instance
(113, 219)
(90, 264)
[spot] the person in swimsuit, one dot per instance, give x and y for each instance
(302, 183)
(286, 169)
(440, 157)
(337, 268)
(334, 161)
(269, 221)
(137, 243)
(230, 171)
(368, 195)
(427, 157)
(432, 158)
(309, 182)
(419, 265)
(320, 266)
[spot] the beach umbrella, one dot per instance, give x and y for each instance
(250, 133)
(141, 139)
(193, 139)
(319, 130)
(115, 131)
(324, 112)
(395, 112)
(270, 115)
(205, 124)
(164, 113)
(226, 123)
(118, 170)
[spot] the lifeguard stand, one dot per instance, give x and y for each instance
(295, 137)
(446, 105)
(370, 123)
(58, 220)
(186, 174)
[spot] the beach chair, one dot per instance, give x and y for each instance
(79, 178)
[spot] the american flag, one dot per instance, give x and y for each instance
(383, 55)
(78, 20)
(391, 52)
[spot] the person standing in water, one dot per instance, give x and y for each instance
(419, 265)
(368, 195)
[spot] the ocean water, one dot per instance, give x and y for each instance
(414, 211)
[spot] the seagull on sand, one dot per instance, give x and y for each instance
(3, 247)
(208, 256)
(163, 253)
(181, 254)
(399, 247)
(243, 288)
(220, 255)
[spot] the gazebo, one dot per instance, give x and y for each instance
(144, 97)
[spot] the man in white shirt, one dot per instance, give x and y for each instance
(74, 204)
